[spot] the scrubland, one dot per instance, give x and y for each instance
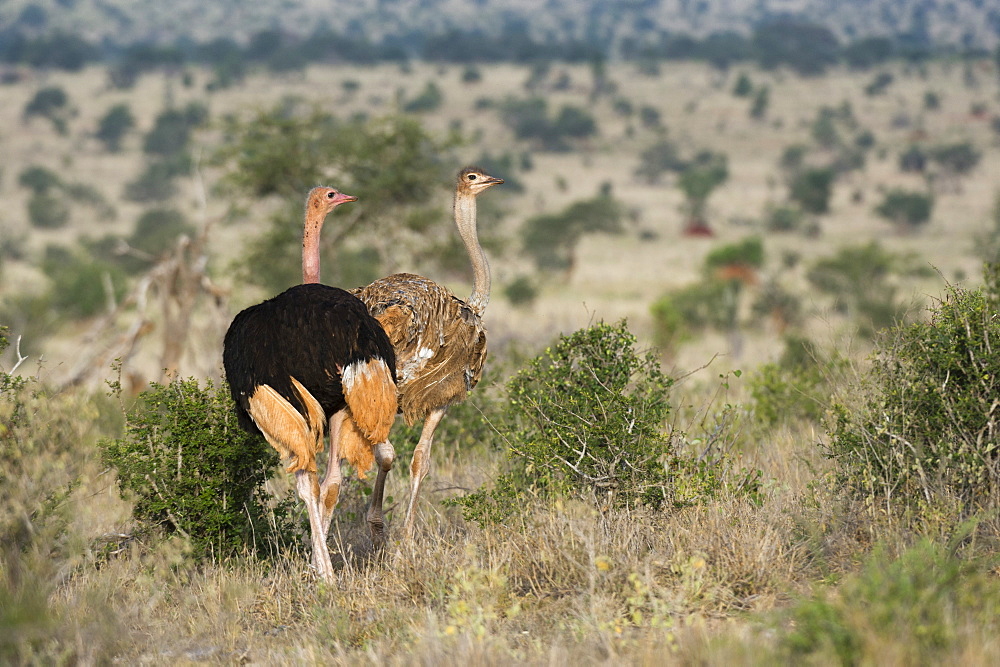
(836, 552)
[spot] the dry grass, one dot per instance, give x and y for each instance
(564, 585)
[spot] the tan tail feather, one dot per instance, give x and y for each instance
(314, 413)
(371, 395)
(287, 430)
(356, 448)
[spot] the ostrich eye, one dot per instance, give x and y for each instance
(472, 177)
(329, 195)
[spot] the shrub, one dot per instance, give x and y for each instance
(47, 211)
(658, 158)
(114, 125)
(550, 239)
(52, 103)
(748, 253)
(958, 158)
(795, 387)
(39, 179)
(761, 102)
(811, 189)
(521, 292)
(927, 426)
(879, 84)
(858, 278)
(783, 219)
(913, 159)
(45, 445)
(156, 183)
(908, 210)
(587, 420)
(157, 230)
(743, 86)
(80, 285)
(172, 131)
(47, 102)
(192, 470)
(428, 100)
(917, 608)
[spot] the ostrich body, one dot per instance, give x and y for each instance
(440, 340)
(303, 360)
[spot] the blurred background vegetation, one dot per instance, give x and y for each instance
(740, 403)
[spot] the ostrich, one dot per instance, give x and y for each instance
(307, 357)
(440, 341)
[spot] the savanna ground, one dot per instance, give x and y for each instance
(798, 570)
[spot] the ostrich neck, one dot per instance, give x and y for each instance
(465, 219)
(310, 248)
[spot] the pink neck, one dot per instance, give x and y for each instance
(310, 250)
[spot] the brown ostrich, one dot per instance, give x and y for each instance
(306, 358)
(439, 340)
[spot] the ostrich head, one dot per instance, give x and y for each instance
(323, 199)
(473, 180)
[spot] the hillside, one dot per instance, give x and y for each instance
(966, 23)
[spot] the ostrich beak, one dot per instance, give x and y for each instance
(492, 180)
(341, 198)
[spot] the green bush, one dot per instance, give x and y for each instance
(521, 292)
(114, 125)
(859, 278)
(743, 86)
(172, 131)
(429, 99)
(80, 284)
(811, 189)
(47, 211)
(587, 419)
(46, 440)
(50, 102)
(550, 239)
(39, 179)
(156, 182)
(907, 209)
(797, 386)
(783, 219)
(157, 230)
(919, 606)
(927, 428)
(192, 470)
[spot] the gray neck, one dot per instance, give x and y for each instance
(465, 219)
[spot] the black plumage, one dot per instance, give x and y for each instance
(310, 332)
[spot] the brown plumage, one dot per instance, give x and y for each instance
(439, 340)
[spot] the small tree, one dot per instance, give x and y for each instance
(761, 102)
(587, 419)
(811, 189)
(52, 103)
(926, 428)
(658, 159)
(47, 211)
(195, 472)
(697, 182)
(428, 100)
(551, 239)
(858, 279)
(743, 86)
(908, 210)
(114, 125)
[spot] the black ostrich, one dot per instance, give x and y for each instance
(306, 358)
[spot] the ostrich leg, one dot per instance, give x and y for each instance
(384, 456)
(329, 490)
(308, 487)
(420, 464)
